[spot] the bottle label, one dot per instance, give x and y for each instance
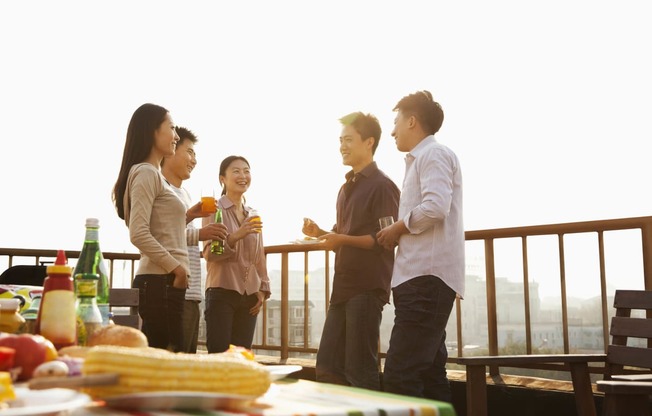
(86, 287)
(58, 317)
(92, 234)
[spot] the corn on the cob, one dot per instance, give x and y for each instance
(151, 369)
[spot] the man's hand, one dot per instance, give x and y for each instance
(196, 212)
(332, 241)
(213, 231)
(388, 236)
(311, 229)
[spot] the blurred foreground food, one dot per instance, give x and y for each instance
(152, 369)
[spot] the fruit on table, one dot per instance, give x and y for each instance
(31, 351)
(6, 388)
(7, 358)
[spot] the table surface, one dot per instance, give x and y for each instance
(302, 397)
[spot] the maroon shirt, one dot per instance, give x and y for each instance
(362, 200)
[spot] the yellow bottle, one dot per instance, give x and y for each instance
(11, 320)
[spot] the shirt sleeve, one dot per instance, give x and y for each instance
(435, 170)
(385, 203)
(143, 187)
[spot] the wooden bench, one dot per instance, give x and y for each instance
(628, 394)
(620, 358)
(125, 297)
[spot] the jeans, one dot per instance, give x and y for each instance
(190, 326)
(228, 320)
(161, 309)
(348, 351)
(416, 359)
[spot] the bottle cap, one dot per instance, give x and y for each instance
(60, 265)
(11, 304)
(92, 222)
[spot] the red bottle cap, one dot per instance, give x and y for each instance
(60, 265)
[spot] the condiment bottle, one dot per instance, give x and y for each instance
(87, 310)
(56, 318)
(217, 246)
(10, 320)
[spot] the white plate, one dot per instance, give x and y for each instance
(279, 371)
(44, 402)
(167, 400)
(309, 241)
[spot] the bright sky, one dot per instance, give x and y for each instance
(547, 103)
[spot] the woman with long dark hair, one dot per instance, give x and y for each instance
(156, 218)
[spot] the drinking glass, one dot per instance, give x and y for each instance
(385, 221)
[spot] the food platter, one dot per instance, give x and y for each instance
(44, 402)
(167, 400)
(307, 240)
(279, 371)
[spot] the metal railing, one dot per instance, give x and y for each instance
(488, 237)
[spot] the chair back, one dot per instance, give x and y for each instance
(26, 275)
(631, 343)
(125, 297)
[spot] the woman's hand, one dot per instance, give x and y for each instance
(255, 310)
(180, 278)
(248, 227)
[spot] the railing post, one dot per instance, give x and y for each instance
(492, 319)
(285, 310)
(646, 242)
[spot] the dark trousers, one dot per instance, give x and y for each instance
(228, 320)
(416, 359)
(348, 350)
(161, 309)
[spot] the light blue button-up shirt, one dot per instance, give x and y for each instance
(431, 207)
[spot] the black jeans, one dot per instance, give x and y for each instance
(161, 309)
(348, 351)
(228, 320)
(416, 359)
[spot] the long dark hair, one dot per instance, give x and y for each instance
(225, 164)
(140, 139)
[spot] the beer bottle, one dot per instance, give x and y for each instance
(217, 246)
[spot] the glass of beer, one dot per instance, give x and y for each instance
(208, 204)
(255, 217)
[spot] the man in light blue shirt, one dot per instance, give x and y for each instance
(429, 265)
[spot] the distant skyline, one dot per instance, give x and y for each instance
(547, 105)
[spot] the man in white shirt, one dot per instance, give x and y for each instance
(176, 169)
(429, 265)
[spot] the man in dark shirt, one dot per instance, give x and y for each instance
(348, 351)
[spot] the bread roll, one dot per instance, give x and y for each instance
(125, 336)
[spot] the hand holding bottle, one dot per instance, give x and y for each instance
(213, 231)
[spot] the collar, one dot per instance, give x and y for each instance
(366, 172)
(421, 147)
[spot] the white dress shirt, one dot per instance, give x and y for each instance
(431, 207)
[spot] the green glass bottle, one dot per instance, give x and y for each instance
(217, 246)
(91, 261)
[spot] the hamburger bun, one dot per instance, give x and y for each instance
(125, 336)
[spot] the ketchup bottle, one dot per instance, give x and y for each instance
(56, 318)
